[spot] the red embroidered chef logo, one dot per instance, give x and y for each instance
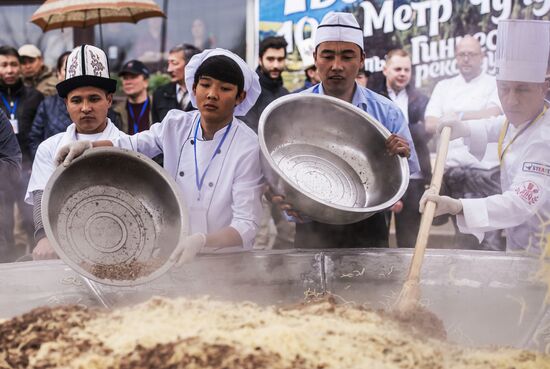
(529, 192)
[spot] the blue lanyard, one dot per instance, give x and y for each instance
(12, 107)
(131, 111)
(200, 180)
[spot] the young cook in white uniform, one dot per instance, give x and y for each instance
(88, 93)
(523, 137)
(213, 156)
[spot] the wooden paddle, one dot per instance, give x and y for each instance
(410, 294)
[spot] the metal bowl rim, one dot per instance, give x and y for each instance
(100, 151)
(404, 166)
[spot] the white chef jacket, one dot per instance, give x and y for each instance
(44, 165)
(523, 209)
(455, 95)
(232, 188)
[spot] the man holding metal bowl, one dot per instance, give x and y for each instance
(88, 93)
(339, 55)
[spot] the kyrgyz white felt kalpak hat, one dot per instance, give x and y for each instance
(338, 26)
(522, 50)
(251, 80)
(86, 66)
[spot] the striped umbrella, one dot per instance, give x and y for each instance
(54, 14)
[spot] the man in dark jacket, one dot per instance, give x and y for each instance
(35, 73)
(174, 95)
(135, 109)
(19, 103)
(10, 169)
(52, 116)
(397, 87)
(272, 62)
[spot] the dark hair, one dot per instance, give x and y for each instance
(308, 69)
(9, 51)
(187, 49)
(272, 42)
(60, 60)
(222, 68)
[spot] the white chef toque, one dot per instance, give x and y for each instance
(251, 80)
(522, 50)
(338, 26)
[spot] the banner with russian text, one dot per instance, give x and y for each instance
(428, 30)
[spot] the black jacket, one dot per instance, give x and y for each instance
(28, 100)
(416, 109)
(10, 171)
(272, 89)
(51, 118)
(164, 100)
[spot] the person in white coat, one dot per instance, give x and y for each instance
(213, 156)
(88, 93)
(523, 137)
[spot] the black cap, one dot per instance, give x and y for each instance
(134, 67)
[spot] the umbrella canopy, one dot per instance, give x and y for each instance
(54, 14)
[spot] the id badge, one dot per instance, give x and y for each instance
(15, 125)
(198, 220)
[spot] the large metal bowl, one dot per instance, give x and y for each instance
(328, 158)
(114, 216)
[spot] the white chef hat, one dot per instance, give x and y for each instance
(251, 81)
(522, 50)
(338, 26)
(86, 66)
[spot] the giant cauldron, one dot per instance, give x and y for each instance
(483, 298)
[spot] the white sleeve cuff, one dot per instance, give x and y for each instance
(474, 217)
(477, 141)
(247, 230)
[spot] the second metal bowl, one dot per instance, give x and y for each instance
(328, 158)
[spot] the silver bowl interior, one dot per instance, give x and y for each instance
(114, 216)
(331, 152)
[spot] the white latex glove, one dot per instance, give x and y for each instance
(443, 204)
(71, 151)
(459, 128)
(44, 250)
(188, 249)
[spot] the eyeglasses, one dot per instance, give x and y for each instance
(467, 55)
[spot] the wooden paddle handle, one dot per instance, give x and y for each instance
(429, 209)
